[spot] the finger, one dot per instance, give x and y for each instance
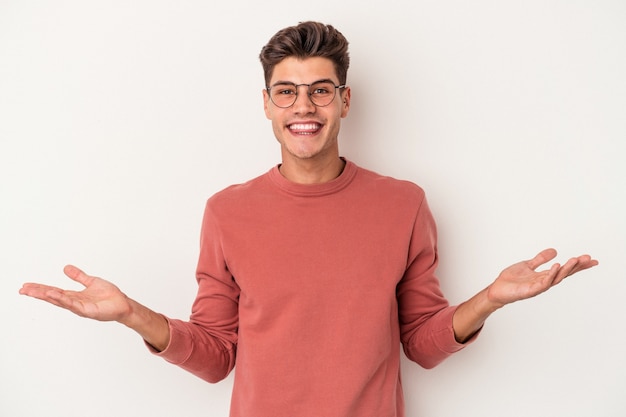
(65, 299)
(52, 295)
(541, 258)
(575, 265)
(569, 268)
(36, 290)
(77, 275)
(552, 275)
(585, 262)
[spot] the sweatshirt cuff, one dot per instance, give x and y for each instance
(176, 351)
(449, 343)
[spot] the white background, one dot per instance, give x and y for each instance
(118, 120)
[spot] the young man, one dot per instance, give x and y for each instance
(313, 275)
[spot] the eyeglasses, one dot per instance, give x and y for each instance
(321, 93)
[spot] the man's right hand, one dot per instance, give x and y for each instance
(103, 301)
(100, 300)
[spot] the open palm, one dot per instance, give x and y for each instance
(521, 280)
(100, 300)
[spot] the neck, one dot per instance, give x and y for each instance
(303, 172)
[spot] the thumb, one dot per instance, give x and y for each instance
(541, 258)
(77, 275)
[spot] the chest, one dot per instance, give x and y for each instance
(311, 249)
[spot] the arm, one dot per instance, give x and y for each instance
(103, 301)
(517, 282)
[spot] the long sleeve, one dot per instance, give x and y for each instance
(206, 344)
(425, 314)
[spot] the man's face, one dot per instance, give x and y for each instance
(304, 130)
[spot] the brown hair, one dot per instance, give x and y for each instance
(307, 39)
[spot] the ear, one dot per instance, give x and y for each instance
(345, 98)
(266, 104)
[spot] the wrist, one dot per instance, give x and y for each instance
(151, 326)
(491, 302)
(470, 316)
(130, 318)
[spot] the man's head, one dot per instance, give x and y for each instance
(306, 40)
(306, 98)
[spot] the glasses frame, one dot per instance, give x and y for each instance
(308, 93)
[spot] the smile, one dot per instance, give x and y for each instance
(304, 128)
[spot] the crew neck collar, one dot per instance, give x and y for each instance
(314, 190)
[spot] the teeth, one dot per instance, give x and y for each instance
(304, 126)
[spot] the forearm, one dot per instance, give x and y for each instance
(471, 315)
(150, 325)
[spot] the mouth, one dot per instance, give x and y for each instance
(304, 128)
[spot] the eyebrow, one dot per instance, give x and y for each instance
(323, 80)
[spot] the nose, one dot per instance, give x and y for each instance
(303, 103)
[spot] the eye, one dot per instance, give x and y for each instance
(281, 90)
(322, 89)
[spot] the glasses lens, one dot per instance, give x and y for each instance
(322, 93)
(283, 95)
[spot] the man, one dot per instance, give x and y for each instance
(311, 276)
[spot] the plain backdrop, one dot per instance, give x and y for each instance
(119, 119)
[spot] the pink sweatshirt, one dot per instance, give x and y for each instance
(309, 290)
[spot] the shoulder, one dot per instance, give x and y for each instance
(374, 182)
(239, 194)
